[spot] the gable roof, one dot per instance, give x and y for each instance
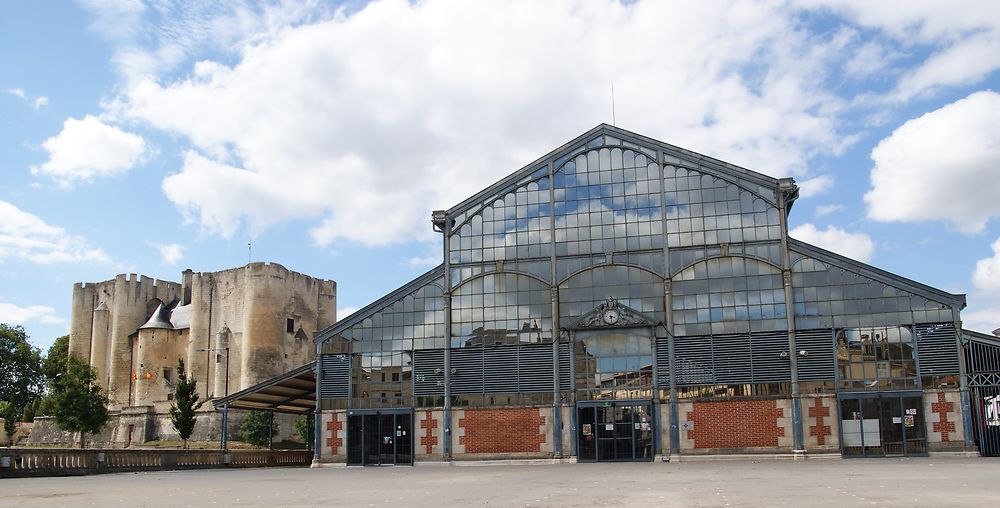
(674, 155)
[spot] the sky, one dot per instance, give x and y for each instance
(154, 136)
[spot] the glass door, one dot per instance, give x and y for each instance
(379, 439)
(882, 425)
(615, 431)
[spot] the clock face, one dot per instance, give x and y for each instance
(611, 316)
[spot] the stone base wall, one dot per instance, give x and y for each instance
(134, 426)
(943, 417)
(735, 426)
(428, 432)
(502, 433)
(820, 423)
(334, 437)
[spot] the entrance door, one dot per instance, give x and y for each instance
(615, 431)
(986, 415)
(882, 425)
(379, 439)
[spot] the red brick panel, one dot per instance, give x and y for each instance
(819, 431)
(333, 441)
(942, 407)
(507, 430)
(429, 440)
(735, 424)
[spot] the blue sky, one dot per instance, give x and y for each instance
(150, 137)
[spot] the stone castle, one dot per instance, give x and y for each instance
(233, 329)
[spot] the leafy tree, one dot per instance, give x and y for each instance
(254, 429)
(182, 411)
(79, 405)
(46, 406)
(55, 360)
(28, 415)
(21, 379)
(8, 413)
(306, 429)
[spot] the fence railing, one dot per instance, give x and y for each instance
(24, 462)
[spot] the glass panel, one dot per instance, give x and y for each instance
(876, 358)
(614, 364)
(850, 426)
(587, 438)
(913, 426)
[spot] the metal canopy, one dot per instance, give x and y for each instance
(293, 392)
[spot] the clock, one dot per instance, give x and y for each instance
(611, 316)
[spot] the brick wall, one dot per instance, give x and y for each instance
(736, 425)
(820, 423)
(943, 415)
(509, 432)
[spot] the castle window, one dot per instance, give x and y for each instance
(290, 325)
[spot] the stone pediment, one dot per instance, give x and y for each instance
(612, 314)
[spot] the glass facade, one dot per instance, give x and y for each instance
(697, 248)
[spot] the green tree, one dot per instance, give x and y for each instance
(182, 411)
(306, 429)
(79, 405)
(55, 360)
(254, 429)
(8, 413)
(21, 379)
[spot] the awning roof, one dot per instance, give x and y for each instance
(292, 392)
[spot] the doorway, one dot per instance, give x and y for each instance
(882, 425)
(380, 438)
(615, 431)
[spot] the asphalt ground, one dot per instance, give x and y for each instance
(912, 482)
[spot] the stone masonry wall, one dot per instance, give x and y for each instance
(943, 416)
(820, 423)
(429, 432)
(334, 436)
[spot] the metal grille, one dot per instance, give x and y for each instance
(428, 372)
(534, 372)
(769, 366)
(695, 363)
(467, 371)
(565, 367)
(820, 363)
(981, 359)
(663, 361)
(334, 376)
(500, 372)
(937, 349)
(733, 361)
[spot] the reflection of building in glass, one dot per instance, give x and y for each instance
(618, 276)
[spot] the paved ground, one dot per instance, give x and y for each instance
(818, 483)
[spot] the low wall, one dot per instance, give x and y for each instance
(26, 462)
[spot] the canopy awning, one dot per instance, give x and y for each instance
(292, 392)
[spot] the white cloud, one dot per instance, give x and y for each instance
(343, 312)
(823, 210)
(26, 236)
(171, 252)
(90, 148)
(981, 319)
(986, 277)
(815, 186)
(13, 314)
(373, 118)
(857, 246)
(941, 166)
(38, 102)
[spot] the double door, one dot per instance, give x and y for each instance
(882, 425)
(615, 431)
(380, 438)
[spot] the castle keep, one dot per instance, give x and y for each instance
(233, 329)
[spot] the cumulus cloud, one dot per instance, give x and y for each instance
(374, 117)
(25, 236)
(857, 246)
(89, 148)
(13, 314)
(986, 277)
(983, 319)
(815, 186)
(37, 102)
(171, 253)
(941, 166)
(962, 36)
